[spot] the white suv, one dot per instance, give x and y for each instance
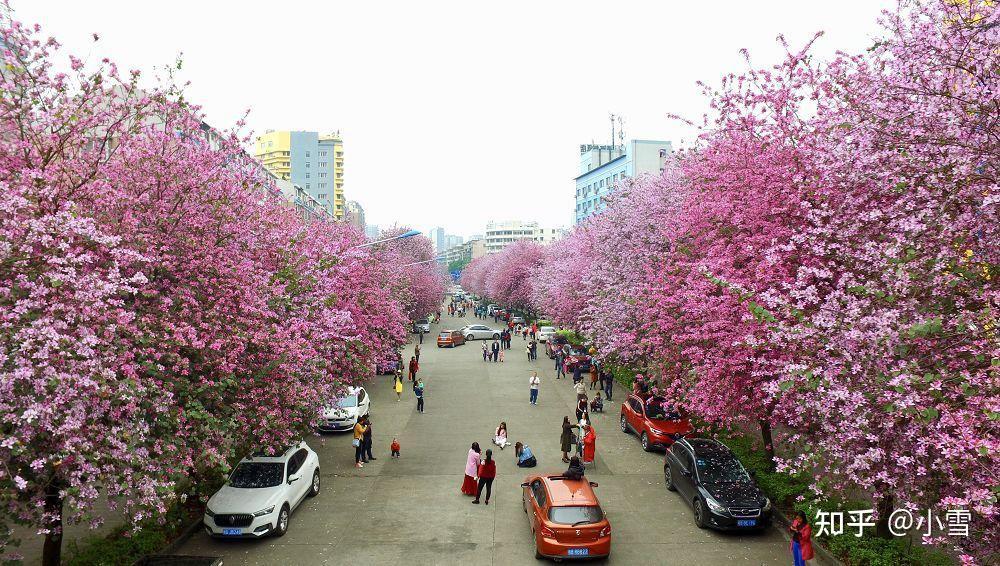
(545, 333)
(345, 413)
(261, 493)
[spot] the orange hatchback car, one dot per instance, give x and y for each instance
(566, 518)
(450, 338)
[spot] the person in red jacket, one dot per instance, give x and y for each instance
(414, 366)
(487, 471)
(801, 547)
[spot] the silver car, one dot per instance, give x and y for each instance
(480, 332)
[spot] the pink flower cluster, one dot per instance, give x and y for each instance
(161, 312)
(825, 263)
(506, 276)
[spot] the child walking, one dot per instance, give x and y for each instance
(394, 449)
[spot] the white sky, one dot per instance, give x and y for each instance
(454, 113)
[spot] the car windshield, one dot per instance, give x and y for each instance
(422, 321)
(721, 469)
(349, 401)
(257, 474)
(581, 515)
(548, 329)
(657, 408)
(444, 335)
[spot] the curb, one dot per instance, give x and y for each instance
(185, 535)
(823, 556)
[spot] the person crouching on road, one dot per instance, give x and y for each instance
(487, 473)
(500, 438)
(525, 459)
(575, 470)
(394, 449)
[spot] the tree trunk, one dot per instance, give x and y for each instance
(52, 550)
(767, 437)
(885, 506)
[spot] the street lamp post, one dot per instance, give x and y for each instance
(409, 234)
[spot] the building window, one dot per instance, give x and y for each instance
(322, 163)
(307, 164)
(307, 154)
(663, 153)
(307, 185)
(602, 182)
(322, 196)
(616, 177)
(322, 154)
(322, 175)
(307, 175)
(321, 185)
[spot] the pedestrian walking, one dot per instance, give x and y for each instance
(496, 350)
(560, 368)
(487, 473)
(416, 349)
(394, 449)
(566, 438)
(500, 437)
(524, 333)
(801, 545)
(421, 334)
(471, 470)
(589, 444)
(398, 386)
(359, 435)
(581, 408)
(593, 376)
(534, 330)
(418, 390)
(414, 366)
(581, 390)
(501, 354)
(533, 383)
(609, 382)
(366, 454)
(486, 352)
(527, 351)
(525, 459)
(577, 374)
(534, 348)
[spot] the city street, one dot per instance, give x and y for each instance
(411, 509)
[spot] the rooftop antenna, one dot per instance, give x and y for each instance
(621, 132)
(612, 148)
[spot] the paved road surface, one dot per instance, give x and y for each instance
(410, 510)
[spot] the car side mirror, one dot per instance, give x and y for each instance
(593, 484)
(524, 484)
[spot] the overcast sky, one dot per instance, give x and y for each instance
(454, 113)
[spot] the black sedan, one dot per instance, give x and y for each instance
(712, 481)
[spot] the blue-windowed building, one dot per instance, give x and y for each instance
(602, 167)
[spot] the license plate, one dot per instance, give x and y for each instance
(578, 552)
(232, 532)
(746, 523)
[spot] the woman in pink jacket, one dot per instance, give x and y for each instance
(471, 469)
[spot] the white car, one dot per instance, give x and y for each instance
(261, 494)
(490, 309)
(517, 319)
(344, 414)
(480, 332)
(546, 332)
(422, 325)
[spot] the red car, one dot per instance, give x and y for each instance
(578, 356)
(566, 519)
(654, 421)
(450, 338)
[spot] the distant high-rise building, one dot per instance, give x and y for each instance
(437, 238)
(499, 235)
(312, 161)
(604, 166)
(354, 214)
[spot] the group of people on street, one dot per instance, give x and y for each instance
(493, 352)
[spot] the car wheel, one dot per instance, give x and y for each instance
(538, 555)
(644, 440)
(668, 477)
(699, 514)
(314, 490)
(496, 336)
(470, 338)
(282, 522)
(624, 424)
